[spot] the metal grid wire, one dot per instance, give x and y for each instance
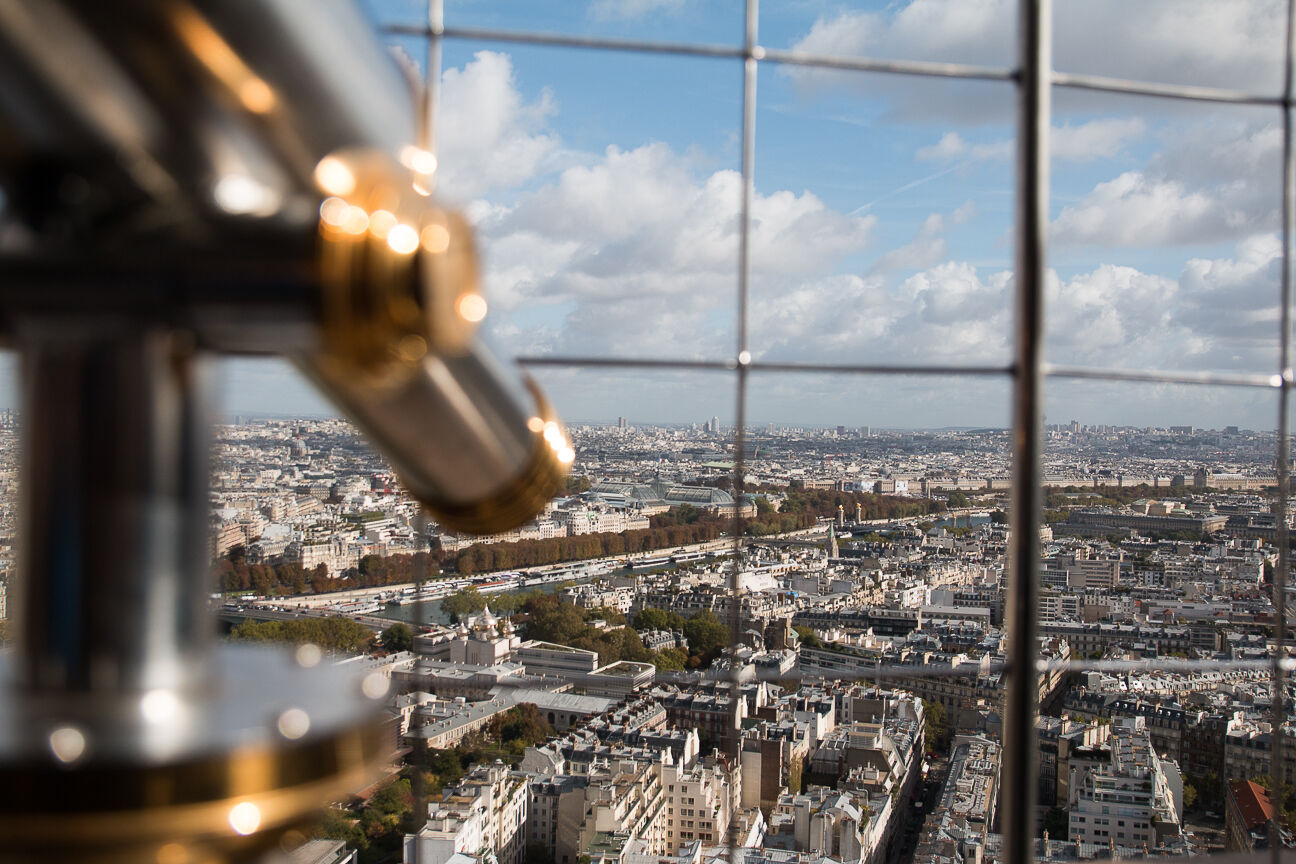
(1034, 79)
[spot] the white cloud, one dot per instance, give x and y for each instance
(951, 146)
(1218, 314)
(1213, 182)
(966, 212)
(948, 313)
(1135, 210)
(1096, 139)
(1112, 316)
(633, 252)
(489, 137)
(1223, 152)
(1236, 302)
(1223, 44)
(1083, 142)
(799, 234)
(927, 248)
(641, 253)
(953, 296)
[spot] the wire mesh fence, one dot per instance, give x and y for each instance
(1034, 78)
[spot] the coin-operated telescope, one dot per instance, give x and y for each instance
(183, 177)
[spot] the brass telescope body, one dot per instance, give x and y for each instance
(183, 177)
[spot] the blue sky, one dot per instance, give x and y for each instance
(604, 190)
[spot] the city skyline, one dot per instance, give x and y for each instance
(1156, 561)
(631, 424)
(274, 388)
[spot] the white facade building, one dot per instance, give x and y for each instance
(1132, 800)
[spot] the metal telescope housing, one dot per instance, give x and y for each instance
(183, 177)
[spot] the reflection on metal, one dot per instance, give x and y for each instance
(1282, 663)
(742, 358)
(180, 177)
(1021, 606)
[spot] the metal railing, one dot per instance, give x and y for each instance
(1034, 79)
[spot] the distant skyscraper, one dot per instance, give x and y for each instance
(715, 425)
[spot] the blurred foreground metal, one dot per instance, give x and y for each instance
(178, 178)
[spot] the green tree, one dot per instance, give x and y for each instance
(332, 634)
(462, 603)
(1057, 824)
(670, 659)
(551, 620)
(657, 619)
(524, 723)
(794, 776)
(629, 645)
(705, 633)
(939, 733)
(650, 619)
(808, 637)
(613, 617)
(338, 824)
(446, 765)
(387, 811)
(398, 637)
